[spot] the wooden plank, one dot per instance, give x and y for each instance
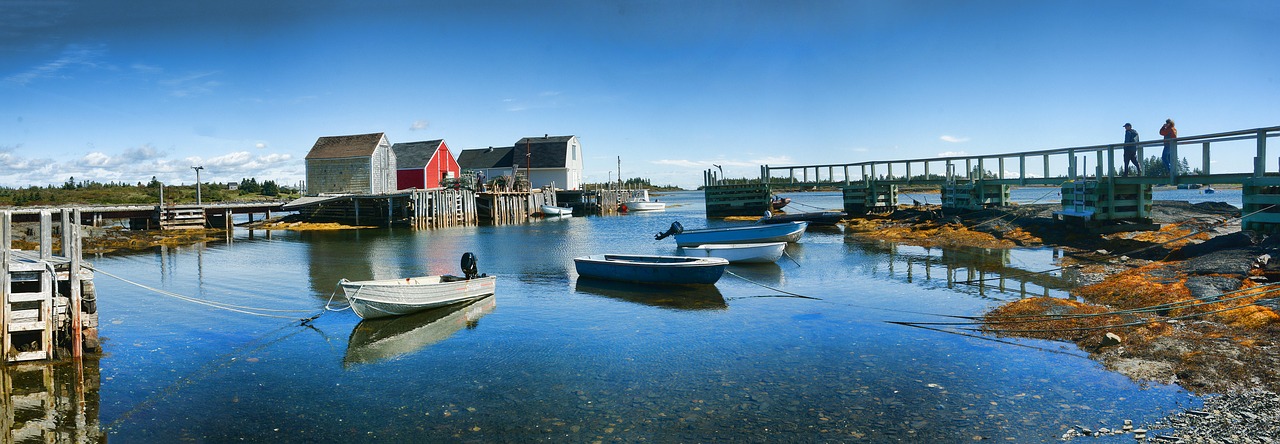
(6, 255)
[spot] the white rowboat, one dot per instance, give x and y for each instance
(395, 297)
(739, 253)
(644, 205)
(552, 210)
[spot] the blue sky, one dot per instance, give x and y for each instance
(127, 90)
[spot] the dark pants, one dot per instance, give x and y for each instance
(1131, 155)
(1164, 156)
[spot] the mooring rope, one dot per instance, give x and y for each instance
(255, 311)
(207, 369)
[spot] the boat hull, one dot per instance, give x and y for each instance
(550, 210)
(662, 270)
(636, 205)
(739, 253)
(750, 234)
(396, 297)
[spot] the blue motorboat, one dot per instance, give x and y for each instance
(649, 269)
(746, 234)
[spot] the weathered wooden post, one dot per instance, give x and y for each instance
(6, 253)
(46, 235)
(1204, 158)
(1259, 166)
(73, 278)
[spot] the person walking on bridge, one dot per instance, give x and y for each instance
(1169, 132)
(1131, 149)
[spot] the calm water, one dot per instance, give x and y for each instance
(554, 359)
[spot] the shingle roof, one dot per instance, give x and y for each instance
(481, 158)
(337, 147)
(412, 155)
(548, 152)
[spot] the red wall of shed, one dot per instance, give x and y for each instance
(406, 179)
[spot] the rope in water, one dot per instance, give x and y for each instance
(255, 311)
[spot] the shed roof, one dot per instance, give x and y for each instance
(337, 147)
(480, 158)
(548, 151)
(411, 155)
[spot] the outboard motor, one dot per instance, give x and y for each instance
(676, 228)
(469, 265)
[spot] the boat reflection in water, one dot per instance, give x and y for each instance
(375, 340)
(700, 297)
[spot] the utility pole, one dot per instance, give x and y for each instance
(619, 172)
(198, 168)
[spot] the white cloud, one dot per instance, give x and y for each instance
(260, 145)
(953, 154)
(418, 125)
(72, 56)
(191, 85)
(954, 139)
(95, 159)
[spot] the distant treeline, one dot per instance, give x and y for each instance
(633, 183)
(121, 193)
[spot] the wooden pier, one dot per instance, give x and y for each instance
(48, 301)
(1089, 177)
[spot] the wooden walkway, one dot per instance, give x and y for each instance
(1091, 177)
(1046, 167)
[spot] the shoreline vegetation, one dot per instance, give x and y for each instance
(1193, 303)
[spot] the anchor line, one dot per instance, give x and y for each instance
(255, 311)
(207, 369)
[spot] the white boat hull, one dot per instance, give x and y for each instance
(638, 205)
(739, 253)
(749, 234)
(396, 297)
(550, 210)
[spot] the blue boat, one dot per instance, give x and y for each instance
(747, 234)
(648, 269)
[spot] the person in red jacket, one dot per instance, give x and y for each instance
(1169, 132)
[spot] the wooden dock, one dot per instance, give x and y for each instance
(48, 301)
(1089, 177)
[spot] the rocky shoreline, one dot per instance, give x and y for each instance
(1188, 302)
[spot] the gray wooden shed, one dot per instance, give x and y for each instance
(357, 164)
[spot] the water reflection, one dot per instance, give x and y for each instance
(980, 271)
(50, 402)
(375, 340)
(700, 297)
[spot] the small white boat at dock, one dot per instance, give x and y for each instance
(642, 203)
(739, 253)
(395, 297)
(552, 210)
(649, 269)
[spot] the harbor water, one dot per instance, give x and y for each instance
(803, 350)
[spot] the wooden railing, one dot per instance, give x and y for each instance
(1043, 167)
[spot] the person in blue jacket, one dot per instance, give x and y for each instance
(1131, 149)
